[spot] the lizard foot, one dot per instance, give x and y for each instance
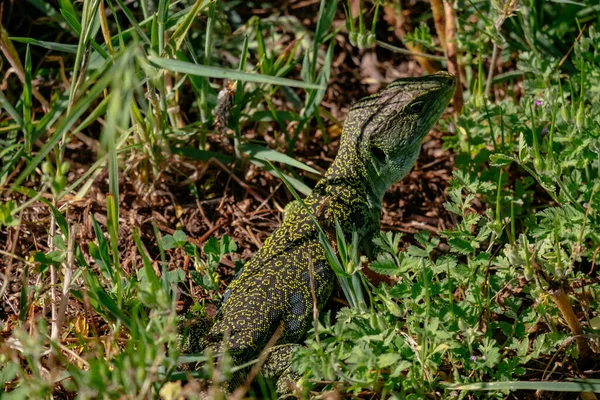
(278, 365)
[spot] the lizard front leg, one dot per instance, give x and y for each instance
(278, 365)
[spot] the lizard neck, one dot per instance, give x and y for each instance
(348, 164)
(347, 172)
(347, 169)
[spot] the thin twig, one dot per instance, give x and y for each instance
(394, 13)
(241, 391)
(488, 84)
(564, 305)
(400, 50)
(11, 256)
(437, 8)
(238, 180)
(216, 226)
(562, 60)
(73, 354)
(311, 275)
(453, 67)
(53, 283)
(266, 202)
(68, 274)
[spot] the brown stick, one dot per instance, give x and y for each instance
(239, 393)
(451, 54)
(243, 184)
(395, 18)
(437, 8)
(562, 302)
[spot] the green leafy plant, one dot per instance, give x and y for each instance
(464, 305)
(505, 299)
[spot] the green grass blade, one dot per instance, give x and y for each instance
(109, 138)
(45, 7)
(23, 304)
(64, 48)
(27, 94)
(76, 26)
(325, 17)
(69, 120)
(201, 155)
(56, 111)
(67, 6)
(150, 273)
(295, 183)
(88, 19)
(161, 16)
(5, 104)
(262, 153)
(134, 22)
(100, 252)
(580, 386)
(184, 26)
(226, 73)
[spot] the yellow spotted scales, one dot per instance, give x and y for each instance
(380, 142)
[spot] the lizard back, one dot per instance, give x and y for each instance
(274, 287)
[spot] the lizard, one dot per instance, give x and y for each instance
(380, 142)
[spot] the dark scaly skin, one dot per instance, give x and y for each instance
(381, 140)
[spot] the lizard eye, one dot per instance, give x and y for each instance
(416, 108)
(378, 154)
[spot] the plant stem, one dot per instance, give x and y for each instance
(562, 302)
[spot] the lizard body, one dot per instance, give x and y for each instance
(380, 142)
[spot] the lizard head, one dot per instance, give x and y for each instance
(384, 131)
